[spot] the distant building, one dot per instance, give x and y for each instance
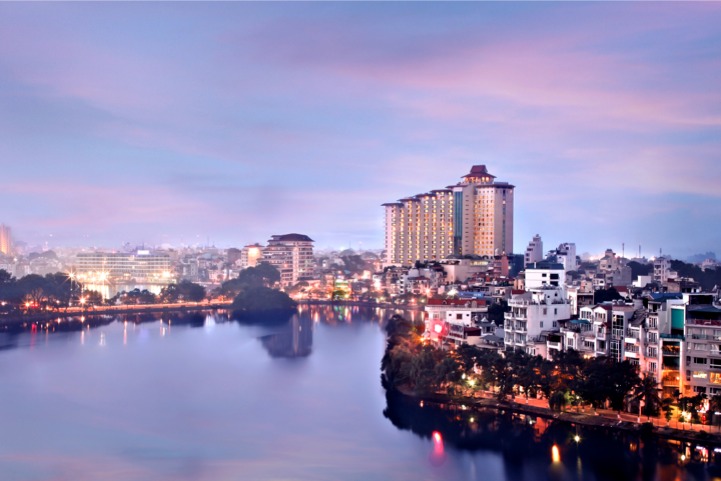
(250, 255)
(292, 255)
(565, 254)
(534, 251)
(140, 267)
(473, 217)
(6, 243)
(662, 269)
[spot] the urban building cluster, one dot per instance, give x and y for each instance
(454, 245)
(449, 251)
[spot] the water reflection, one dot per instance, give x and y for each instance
(208, 404)
(295, 339)
(564, 451)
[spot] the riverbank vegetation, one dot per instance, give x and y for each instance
(413, 366)
(32, 294)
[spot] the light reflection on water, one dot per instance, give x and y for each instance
(200, 397)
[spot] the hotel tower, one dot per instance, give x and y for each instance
(472, 217)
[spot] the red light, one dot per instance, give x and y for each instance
(437, 437)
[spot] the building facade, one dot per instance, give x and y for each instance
(139, 267)
(250, 255)
(534, 251)
(292, 255)
(6, 244)
(472, 217)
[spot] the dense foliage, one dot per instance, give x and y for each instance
(253, 298)
(263, 274)
(411, 365)
(258, 299)
(183, 291)
(605, 295)
(708, 278)
(51, 290)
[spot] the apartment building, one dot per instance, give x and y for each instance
(292, 255)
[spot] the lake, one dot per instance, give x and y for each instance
(202, 397)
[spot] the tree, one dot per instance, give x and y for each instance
(623, 377)
(5, 277)
(647, 392)
(604, 295)
(593, 384)
(497, 310)
(93, 298)
(260, 300)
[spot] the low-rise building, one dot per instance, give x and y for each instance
(452, 322)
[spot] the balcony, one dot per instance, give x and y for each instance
(554, 345)
(630, 340)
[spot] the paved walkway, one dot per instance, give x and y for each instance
(605, 417)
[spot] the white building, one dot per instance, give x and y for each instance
(452, 322)
(534, 251)
(542, 274)
(565, 255)
(292, 255)
(533, 315)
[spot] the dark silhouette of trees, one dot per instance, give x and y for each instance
(183, 291)
(605, 295)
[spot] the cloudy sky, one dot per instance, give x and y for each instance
(186, 122)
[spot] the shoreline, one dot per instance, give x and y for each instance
(18, 320)
(14, 321)
(605, 419)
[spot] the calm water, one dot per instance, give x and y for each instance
(201, 398)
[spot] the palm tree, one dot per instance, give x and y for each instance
(647, 391)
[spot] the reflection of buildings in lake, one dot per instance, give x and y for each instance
(295, 339)
(334, 314)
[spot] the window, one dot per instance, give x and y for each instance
(459, 316)
(699, 360)
(652, 367)
(545, 311)
(541, 324)
(555, 324)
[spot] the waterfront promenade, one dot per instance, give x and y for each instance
(74, 311)
(691, 432)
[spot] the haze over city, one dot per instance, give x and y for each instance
(187, 123)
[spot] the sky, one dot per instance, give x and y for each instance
(225, 123)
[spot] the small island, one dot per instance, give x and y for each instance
(254, 301)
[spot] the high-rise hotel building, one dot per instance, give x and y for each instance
(6, 242)
(473, 217)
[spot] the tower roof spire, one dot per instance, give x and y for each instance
(479, 174)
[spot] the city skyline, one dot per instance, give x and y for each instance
(224, 123)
